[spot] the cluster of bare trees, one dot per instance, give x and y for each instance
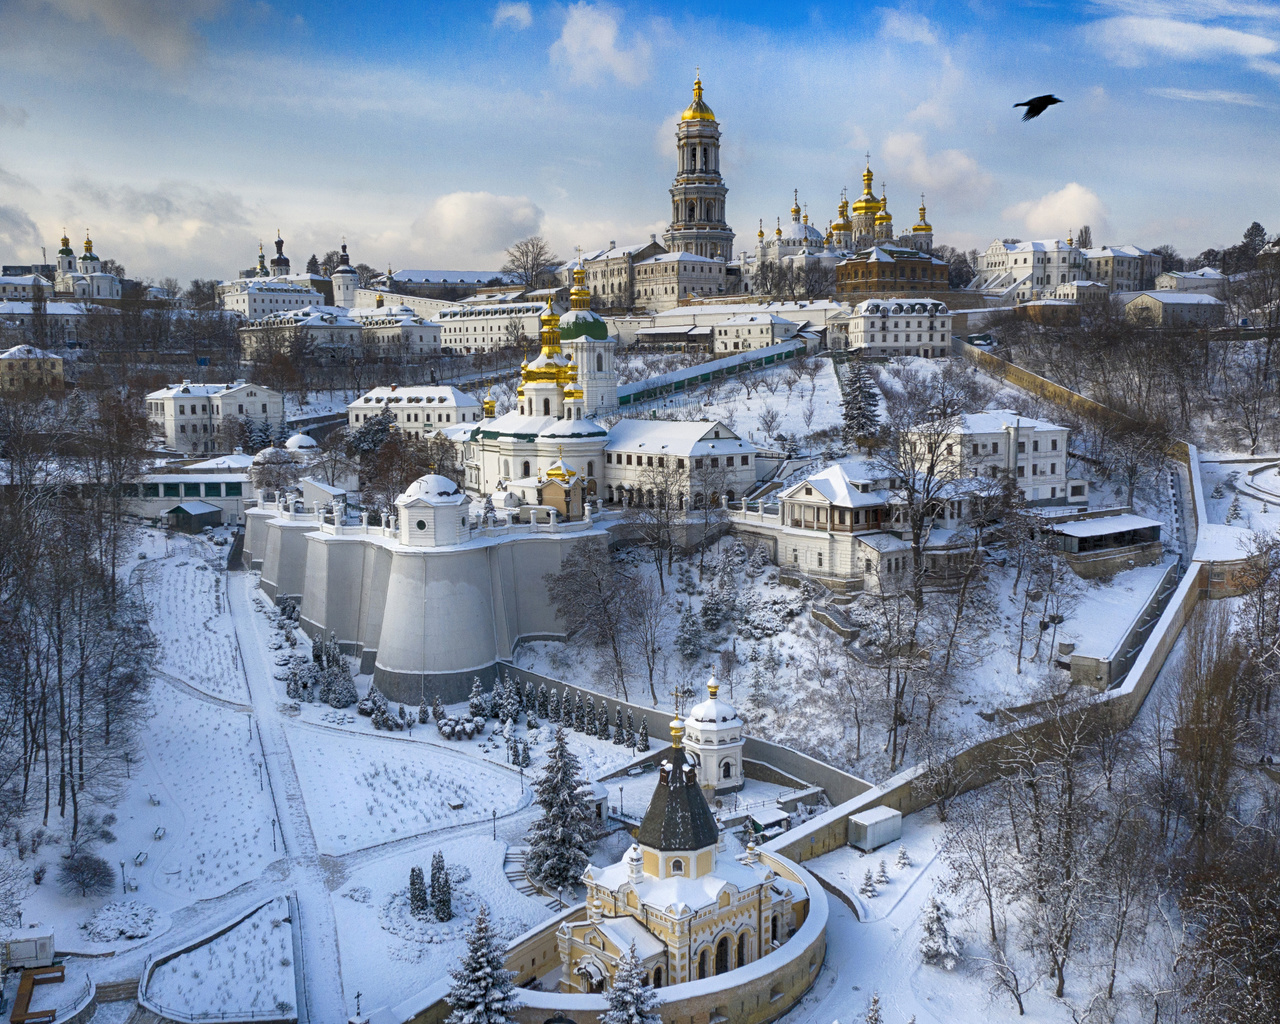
(1097, 847)
(785, 280)
(75, 651)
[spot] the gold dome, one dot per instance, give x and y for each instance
(883, 216)
(697, 110)
(923, 226)
(867, 203)
(795, 204)
(778, 230)
(760, 233)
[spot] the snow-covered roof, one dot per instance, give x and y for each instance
(624, 932)
(743, 319)
(236, 460)
(194, 508)
(901, 307)
(1103, 525)
(190, 389)
(1203, 274)
(714, 710)
(300, 441)
(996, 421)
(1104, 251)
(18, 307)
(434, 490)
(882, 542)
(515, 424)
(29, 280)
(419, 394)
(27, 352)
(1181, 298)
(679, 437)
(733, 309)
(677, 257)
(477, 277)
(841, 485)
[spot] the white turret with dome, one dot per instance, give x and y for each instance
(713, 736)
(432, 512)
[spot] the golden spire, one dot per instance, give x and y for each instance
(66, 242)
(697, 110)
(580, 294)
(795, 204)
(712, 686)
(883, 216)
(923, 225)
(1070, 243)
(778, 230)
(760, 233)
(490, 405)
(677, 733)
(805, 218)
(88, 243)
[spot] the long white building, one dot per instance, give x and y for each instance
(195, 417)
(417, 409)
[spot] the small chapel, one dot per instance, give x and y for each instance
(692, 909)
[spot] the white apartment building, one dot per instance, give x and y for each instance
(1122, 268)
(195, 417)
(1205, 281)
(417, 410)
(1001, 442)
(611, 273)
(1173, 309)
(66, 323)
(711, 461)
(748, 331)
(661, 281)
(487, 328)
(399, 336)
(254, 298)
(1022, 271)
(900, 327)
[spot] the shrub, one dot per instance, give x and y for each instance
(86, 874)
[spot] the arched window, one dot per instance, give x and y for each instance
(677, 867)
(692, 211)
(524, 468)
(608, 494)
(599, 362)
(726, 770)
(722, 955)
(729, 495)
(702, 964)
(773, 929)
(657, 977)
(591, 469)
(506, 468)
(742, 949)
(546, 407)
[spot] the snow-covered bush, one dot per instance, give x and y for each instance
(937, 945)
(123, 920)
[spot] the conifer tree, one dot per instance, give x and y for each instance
(868, 887)
(874, 1015)
(861, 404)
(418, 891)
(904, 858)
(642, 740)
(689, 634)
(544, 709)
(476, 703)
(530, 701)
(937, 945)
(631, 999)
(579, 714)
(552, 714)
(631, 730)
(559, 840)
(424, 712)
(589, 716)
(619, 729)
(441, 889)
(525, 759)
(602, 722)
(482, 991)
(882, 873)
(437, 709)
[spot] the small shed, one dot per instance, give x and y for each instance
(872, 828)
(193, 516)
(29, 950)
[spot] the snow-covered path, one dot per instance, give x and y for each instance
(324, 998)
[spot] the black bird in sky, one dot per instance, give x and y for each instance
(1037, 106)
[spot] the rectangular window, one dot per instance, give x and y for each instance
(608, 458)
(679, 463)
(171, 491)
(213, 490)
(1022, 447)
(742, 460)
(628, 460)
(191, 490)
(1053, 469)
(975, 449)
(1022, 471)
(151, 490)
(649, 461)
(661, 462)
(697, 463)
(995, 447)
(1035, 446)
(1053, 445)
(234, 489)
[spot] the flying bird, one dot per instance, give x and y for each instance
(1037, 106)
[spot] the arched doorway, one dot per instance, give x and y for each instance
(722, 955)
(702, 964)
(657, 977)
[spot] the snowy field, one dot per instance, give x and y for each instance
(186, 607)
(248, 970)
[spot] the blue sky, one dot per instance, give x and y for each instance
(434, 134)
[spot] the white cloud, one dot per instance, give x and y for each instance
(469, 225)
(1130, 40)
(1055, 214)
(1239, 99)
(17, 228)
(951, 172)
(514, 15)
(588, 47)
(913, 28)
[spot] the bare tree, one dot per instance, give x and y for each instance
(596, 601)
(528, 259)
(650, 629)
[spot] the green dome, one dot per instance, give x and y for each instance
(582, 323)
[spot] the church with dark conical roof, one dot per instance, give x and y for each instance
(691, 909)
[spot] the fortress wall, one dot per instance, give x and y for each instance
(255, 536)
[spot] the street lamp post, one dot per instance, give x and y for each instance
(124, 886)
(273, 835)
(259, 776)
(620, 811)
(495, 823)
(522, 780)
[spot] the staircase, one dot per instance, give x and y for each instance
(513, 868)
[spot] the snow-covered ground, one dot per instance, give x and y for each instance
(247, 970)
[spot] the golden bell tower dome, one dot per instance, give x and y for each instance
(698, 109)
(924, 225)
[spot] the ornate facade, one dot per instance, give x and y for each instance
(698, 222)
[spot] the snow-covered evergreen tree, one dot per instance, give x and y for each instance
(544, 709)
(937, 945)
(904, 858)
(689, 634)
(630, 738)
(642, 739)
(619, 729)
(589, 716)
(337, 686)
(488, 515)
(441, 889)
(418, 906)
(482, 991)
(882, 873)
(579, 714)
(437, 708)
(1218, 492)
(874, 1013)
(476, 703)
(530, 702)
(1234, 512)
(602, 722)
(560, 840)
(868, 887)
(861, 404)
(631, 999)
(712, 608)
(772, 662)
(552, 713)
(525, 759)
(424, 712)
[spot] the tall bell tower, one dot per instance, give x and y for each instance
(698, 223)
